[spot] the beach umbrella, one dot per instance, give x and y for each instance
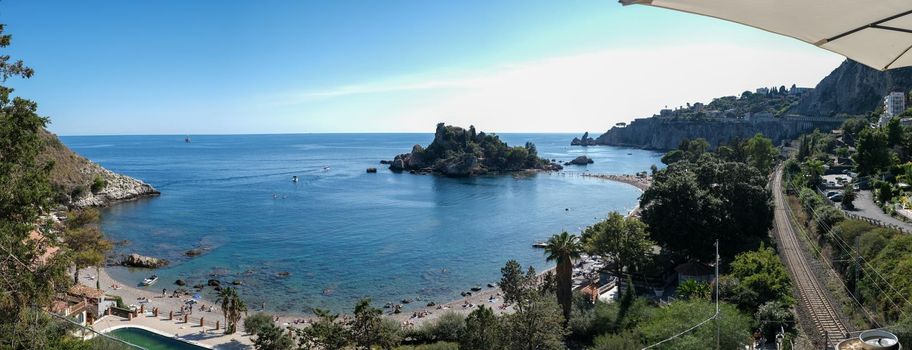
(876, 33)
(197, 296)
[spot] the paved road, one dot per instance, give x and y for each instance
(865, 206)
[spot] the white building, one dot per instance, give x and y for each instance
(799, 90)
(894, 105)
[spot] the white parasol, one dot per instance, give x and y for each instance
(876, 33)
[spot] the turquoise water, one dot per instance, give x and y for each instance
(341, 233)
(149, 340)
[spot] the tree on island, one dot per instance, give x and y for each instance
(232, 307)
(564, 248)
(621, 240)
(459, 152)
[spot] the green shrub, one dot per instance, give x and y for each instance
(77, 192)
(774, 316)
(628, 340)
(98, 184)
(118, 301)
(255, 323)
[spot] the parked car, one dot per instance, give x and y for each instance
(831, 193)
(836, 197)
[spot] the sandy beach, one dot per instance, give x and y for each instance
(641, 183)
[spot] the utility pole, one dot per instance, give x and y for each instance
(718, 315)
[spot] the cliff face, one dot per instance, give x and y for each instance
(81, 183)
(665, 134)
(852, 88)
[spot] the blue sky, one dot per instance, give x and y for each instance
(177, 67)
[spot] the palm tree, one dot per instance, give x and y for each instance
(564, 248)
(232, 307)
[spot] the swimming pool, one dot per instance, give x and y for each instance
(150, 340)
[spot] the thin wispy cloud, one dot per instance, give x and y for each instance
(590, 91)
(299, 97)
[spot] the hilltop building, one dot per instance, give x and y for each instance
(796, 90)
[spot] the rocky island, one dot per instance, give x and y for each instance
(462, 152)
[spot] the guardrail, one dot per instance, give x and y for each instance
(854, 216)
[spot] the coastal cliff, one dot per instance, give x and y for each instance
(78, 182)
(462, 152)
(666, 134)
(852, 89)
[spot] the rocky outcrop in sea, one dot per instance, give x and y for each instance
(583, 141)
(117, 188)
(581, 160)
(136, 260)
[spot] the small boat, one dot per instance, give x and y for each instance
(187, 139)
(294, 178)
(326, 168)
(540, 244)
(150, 280)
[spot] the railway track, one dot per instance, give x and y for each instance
(811, 294)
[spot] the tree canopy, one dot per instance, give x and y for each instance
(31, 277)
(619, 239)
(690, 204)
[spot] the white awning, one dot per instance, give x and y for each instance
(876, 33)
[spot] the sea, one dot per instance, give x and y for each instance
(340, 234)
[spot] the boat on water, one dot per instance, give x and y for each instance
(294, 178)
(540, 244)
(150, 280)
(187, 139)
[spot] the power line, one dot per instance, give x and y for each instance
(94, 331)
(861, 257)
(829, 265)
(713, 317)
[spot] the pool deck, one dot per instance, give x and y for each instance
(189, 332)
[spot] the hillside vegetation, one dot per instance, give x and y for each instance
(464, 152)
(76, 181)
